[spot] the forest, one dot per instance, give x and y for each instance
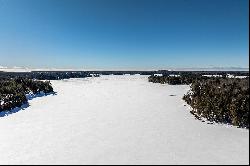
(217, 99)
(57, 75)
(13, 91)
(183, 79)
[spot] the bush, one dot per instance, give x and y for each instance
(224, 100)
(12, 91)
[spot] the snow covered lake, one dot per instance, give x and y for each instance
(116, 120)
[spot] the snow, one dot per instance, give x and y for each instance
(14, 69)
(241, 76)
(213, 75)
(157, 74)
(232, 76)
(174, 75)
(116, 120)
(228, 75)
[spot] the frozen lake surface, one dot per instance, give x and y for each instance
(116, 120)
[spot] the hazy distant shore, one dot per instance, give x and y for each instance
(24, 69)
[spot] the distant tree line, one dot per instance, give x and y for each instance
(57, 75)
(218, 99)
(44, 75)
(184, 78)
(13, 91)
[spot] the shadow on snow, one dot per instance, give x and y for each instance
(26, 105)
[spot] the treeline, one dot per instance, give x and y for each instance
(176, 80)
(13, 91)
(57, 75)
(218, 99)
(46, 75)
(224, 100)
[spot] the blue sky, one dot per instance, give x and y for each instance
(124, 33)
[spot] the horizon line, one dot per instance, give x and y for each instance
(26, 69)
